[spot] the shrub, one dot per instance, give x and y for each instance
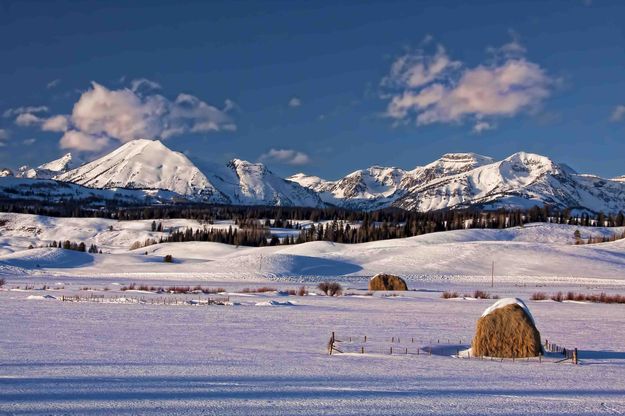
(330, 288)
(539, 296)
(480, 294)
(302, 291)
(558, 297)
(168, 258)
(262, 289)
(2, 282)
(449, 295)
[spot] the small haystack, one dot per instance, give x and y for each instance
(506, 330)
(383, 281)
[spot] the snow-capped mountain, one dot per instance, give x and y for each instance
(5, 172)
(363, 188)
(379, 187)
(145, 164)
(460, 180)
(50, 169)
(146, 171)
(246, 183)
(150, 165)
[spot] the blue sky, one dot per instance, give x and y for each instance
(320, 87)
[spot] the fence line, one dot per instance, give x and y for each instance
(160, 300)
(364, 344)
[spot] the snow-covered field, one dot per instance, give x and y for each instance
(142, 357)
(62, 358)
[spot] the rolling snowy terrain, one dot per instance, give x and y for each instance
(535, 252)
(149, 172)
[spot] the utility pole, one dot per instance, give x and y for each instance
(492, 274)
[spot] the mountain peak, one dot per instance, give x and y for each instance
(143, 164)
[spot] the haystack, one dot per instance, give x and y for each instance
(506, 330)
(383, 281)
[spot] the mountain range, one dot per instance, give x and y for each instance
(146, 171)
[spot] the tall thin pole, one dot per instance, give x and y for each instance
(492, 275)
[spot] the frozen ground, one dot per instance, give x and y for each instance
(59, 358)
(86, 358)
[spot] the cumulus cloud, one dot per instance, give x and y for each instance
(618, 113)
(77, 140)
(27, 116)
(295, 102)
(285, 156)
(57, 123)
(102, 116)
(415, 69)
(435, 89)
(144, 84)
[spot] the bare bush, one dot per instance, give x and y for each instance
(480, 294)
(168, 258)
(538, 296)
(262, 289)
(449, 295)
(330, 288)
(558, 297)
(2, 282)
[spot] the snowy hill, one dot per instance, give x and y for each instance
(50, 169)
(535, 252)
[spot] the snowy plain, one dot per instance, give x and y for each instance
(93, 358)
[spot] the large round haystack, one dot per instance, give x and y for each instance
(383, 281)
(506, 330)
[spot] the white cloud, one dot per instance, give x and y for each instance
(53, 83)
(286, 156)
(56, 123)
(436, 89)
(25, 110)
(415, 69)
(4, 134)
(77, 140)
(28, 119)
(101, 116)
(481, 126)
(618, 113)
(144, 84)
(295, 102)
(29, 142)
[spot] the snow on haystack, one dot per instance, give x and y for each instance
(506, 330)
(383, 281)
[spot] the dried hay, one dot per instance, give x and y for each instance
(506, 332)
(383, 281)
